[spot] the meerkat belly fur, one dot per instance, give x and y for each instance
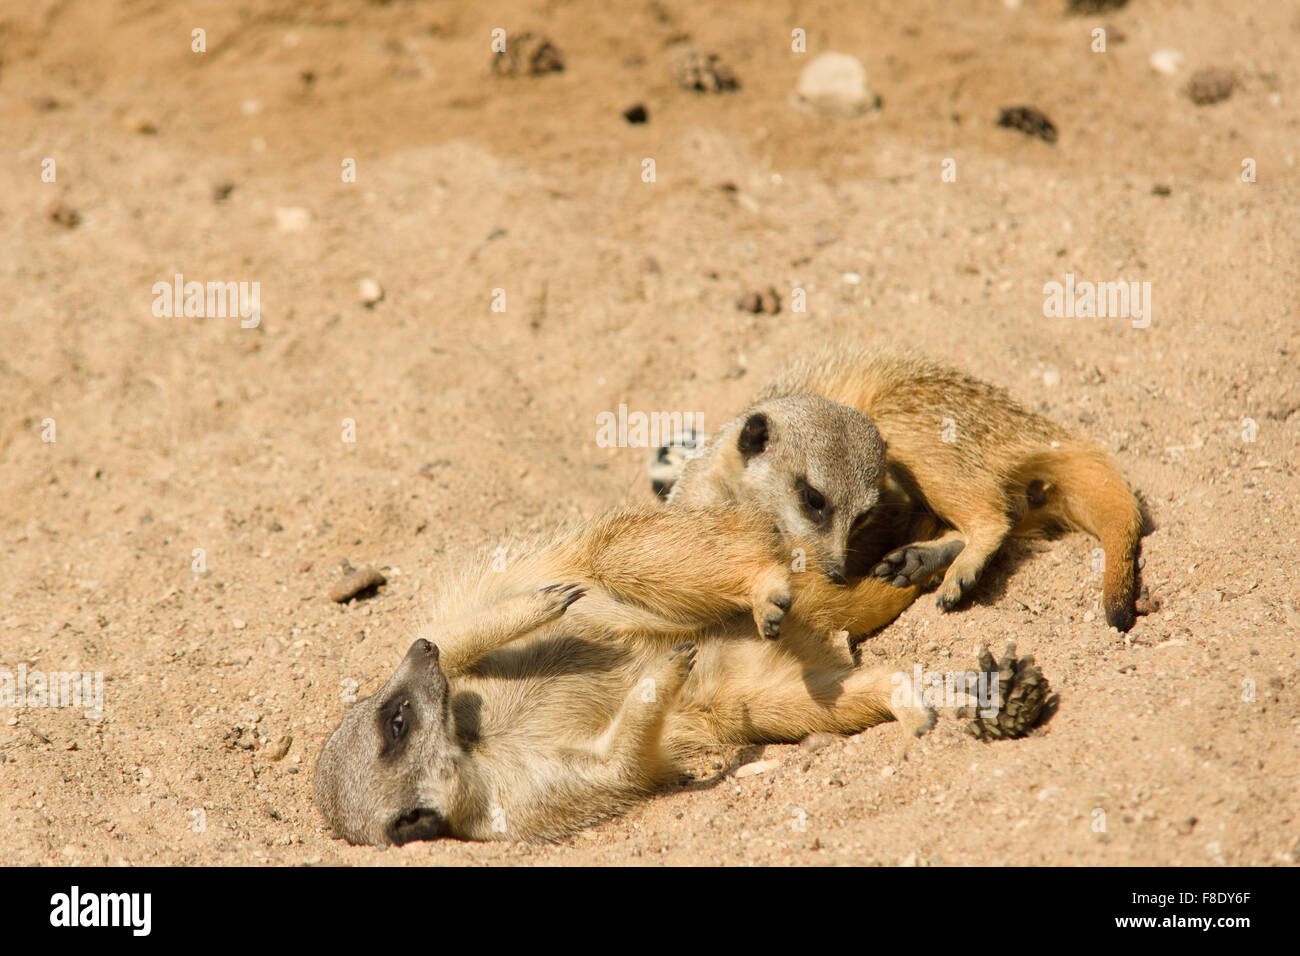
(556, 692)
(933, 438)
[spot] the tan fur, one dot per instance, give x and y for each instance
(532, 716)
(1006, 471)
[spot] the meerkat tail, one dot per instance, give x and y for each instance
(1090, 494)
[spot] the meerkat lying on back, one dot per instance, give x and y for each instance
(934, 437)
(543, 706)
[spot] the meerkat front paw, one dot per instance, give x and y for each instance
(771, 611)
(1022, 695)
(916, 563)
(555, 599)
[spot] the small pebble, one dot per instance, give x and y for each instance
(371, 292)
(1030, 121)
(141, 125)
(528, 54)
(760, 302)
(356, 584)
(1166, 61)
(818, 740)
(1210, 86)
(280, 749)
(1146, 605)
(835, 84)
(65, 216)
(292, 218)
(1093, 6)
(703, 72)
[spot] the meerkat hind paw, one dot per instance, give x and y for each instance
(688, 650)
(954, 588)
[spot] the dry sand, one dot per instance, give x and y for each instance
(176, 434)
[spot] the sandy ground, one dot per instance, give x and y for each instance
(1179, 744)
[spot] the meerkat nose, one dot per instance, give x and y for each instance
(837, 575)
(425, 647)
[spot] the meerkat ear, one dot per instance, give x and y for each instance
(753, 436)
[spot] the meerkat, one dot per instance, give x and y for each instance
(555, 693)
(815, 467)
(939, 440)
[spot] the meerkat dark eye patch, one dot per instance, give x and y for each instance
(753, 436)
(813, 499)
(396, 721)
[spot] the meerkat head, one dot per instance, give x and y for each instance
(387, 775)
(814, 465)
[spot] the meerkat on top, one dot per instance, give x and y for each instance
(933, 438)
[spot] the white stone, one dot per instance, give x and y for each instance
(371, 291)
(292, 218)
(835, 83)
(1166, 61)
